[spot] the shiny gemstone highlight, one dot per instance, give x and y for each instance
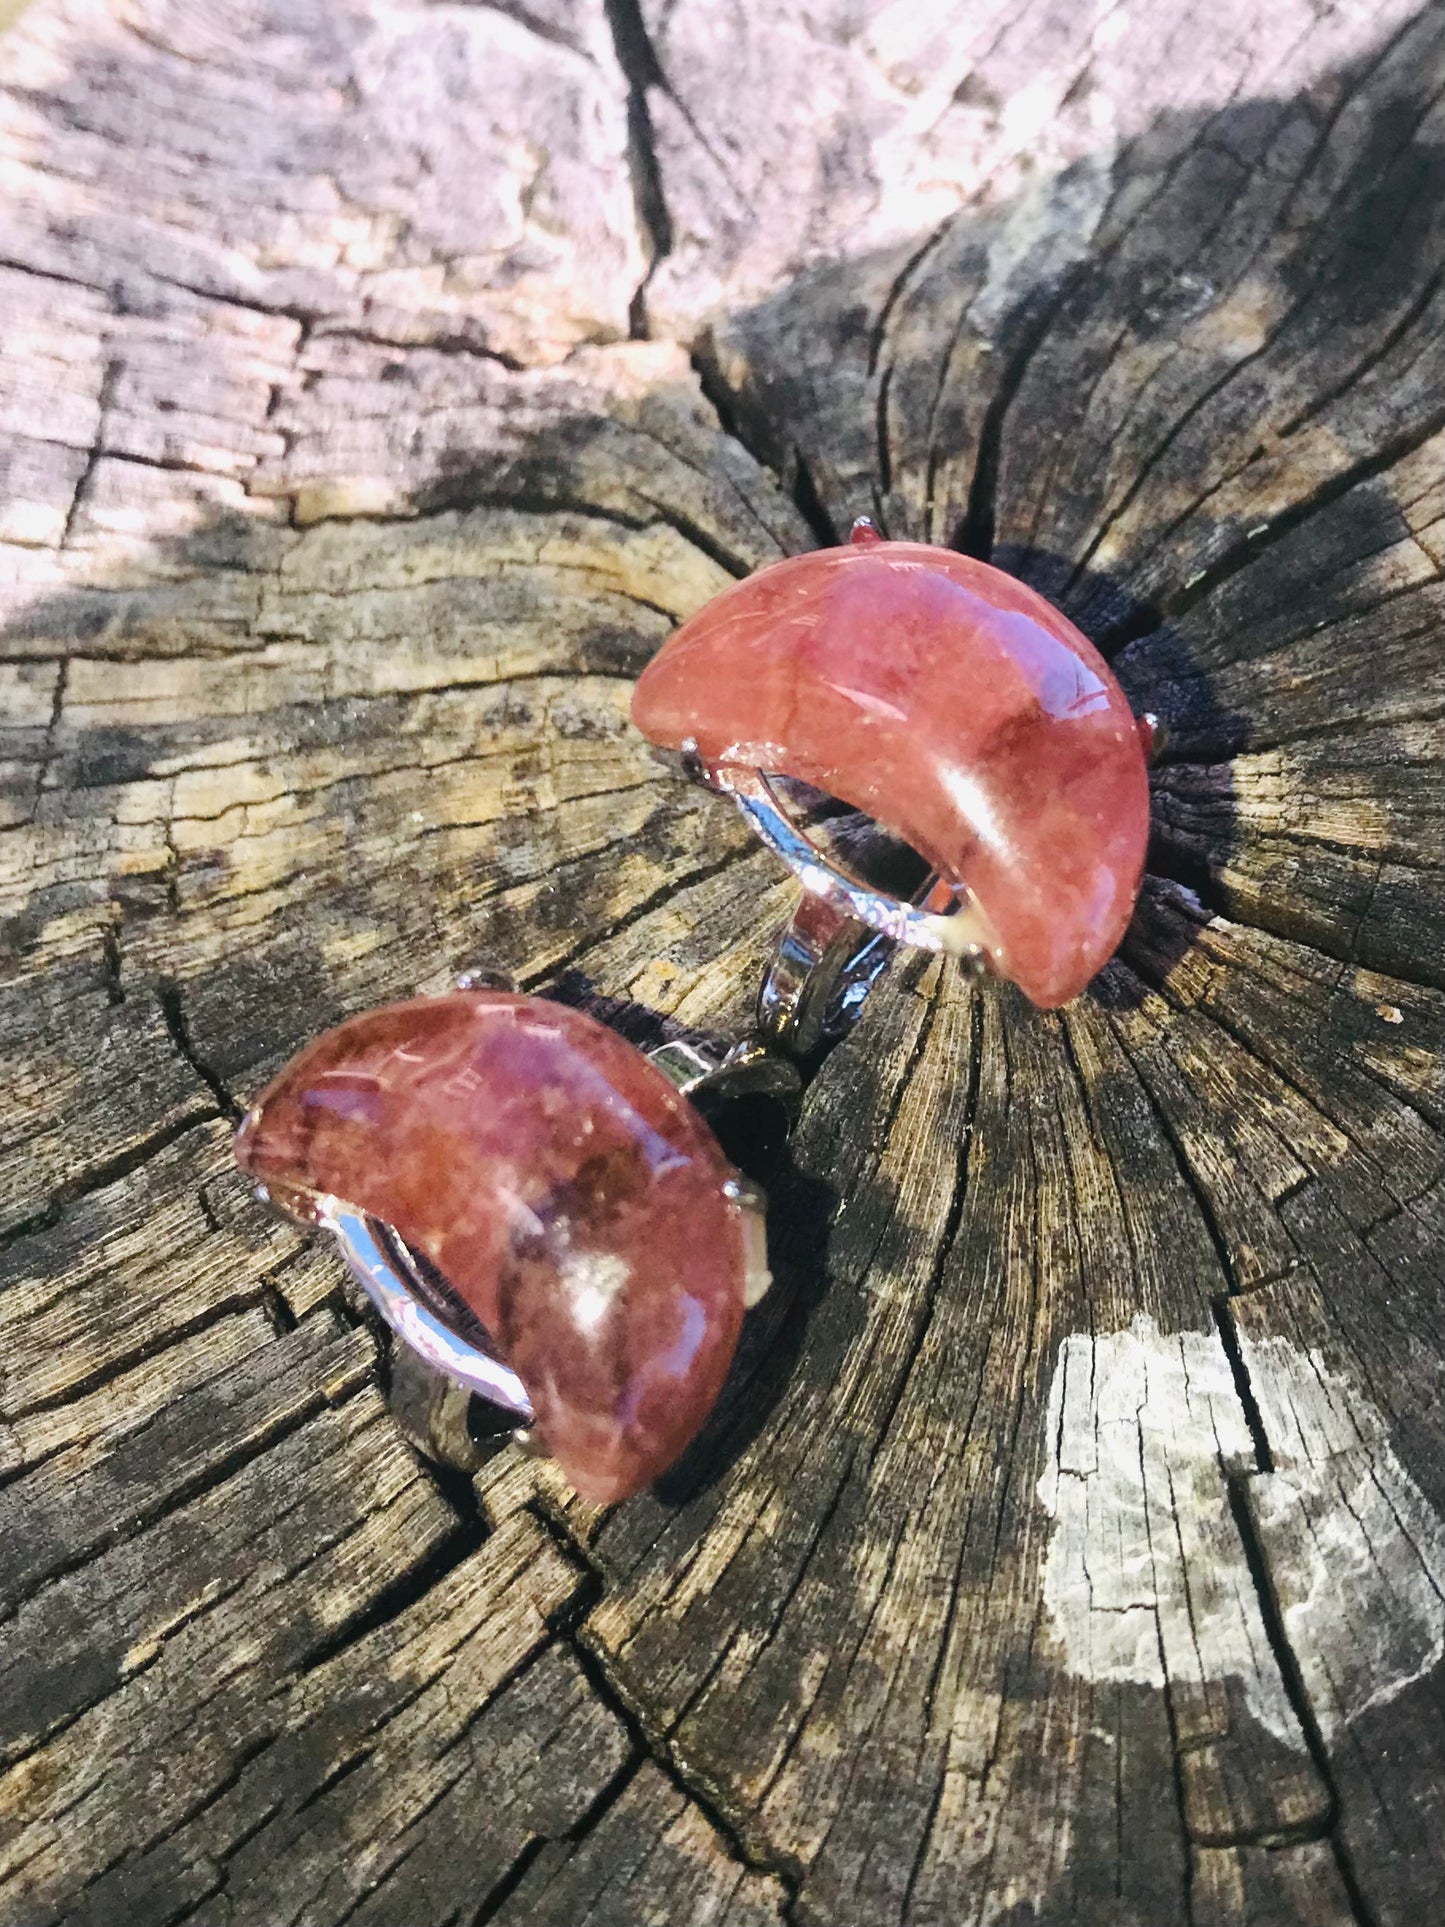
(572, 1198)
(952, 704)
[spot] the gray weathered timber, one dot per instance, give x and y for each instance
(380, 387)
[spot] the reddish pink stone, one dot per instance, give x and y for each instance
(561, 1185)
(956, 707)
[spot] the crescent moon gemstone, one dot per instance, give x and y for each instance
(952, 704)
(567, 1192)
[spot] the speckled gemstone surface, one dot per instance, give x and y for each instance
(954, 705)
(570, 1195)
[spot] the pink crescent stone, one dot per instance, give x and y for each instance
(953, 705)
(567, 1192)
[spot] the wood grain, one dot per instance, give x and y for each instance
(381, 386)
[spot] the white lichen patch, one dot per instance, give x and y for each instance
(1146, 1577)
(1356, 1550)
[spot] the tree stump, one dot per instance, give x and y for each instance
(381, 384)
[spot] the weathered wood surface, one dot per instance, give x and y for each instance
(379, 386)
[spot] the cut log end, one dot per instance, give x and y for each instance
(382, 387)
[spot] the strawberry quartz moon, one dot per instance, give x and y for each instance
(568, 1194)
(952, 704)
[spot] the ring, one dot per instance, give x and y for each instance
(540, 1211)
(958, 709)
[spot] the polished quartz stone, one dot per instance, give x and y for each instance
(572, 1198)
(952, 704)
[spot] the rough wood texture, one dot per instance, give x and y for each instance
(381, 384)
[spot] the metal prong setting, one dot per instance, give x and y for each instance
(745, 1069)
(1155, 735)
(822, 966)
(377, 1261)
(485, 974)
(752, 1201)
(745, 1192)
(844, 930)
(964, 933)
